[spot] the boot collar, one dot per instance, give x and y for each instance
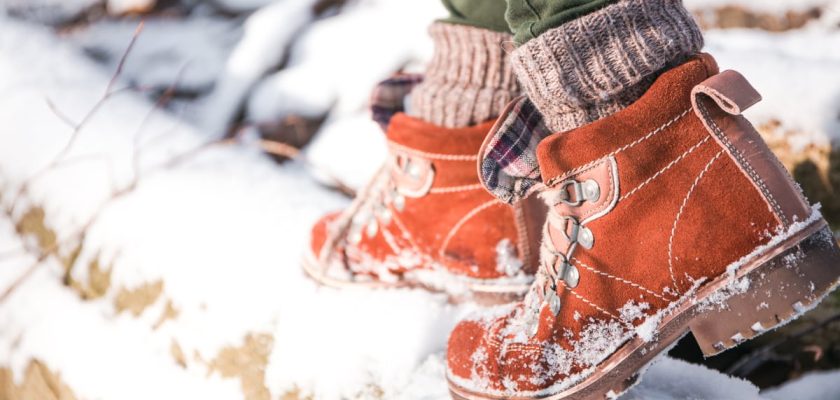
(521, 155)
(666, 102)
(410, 134)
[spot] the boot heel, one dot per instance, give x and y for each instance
(768, 296)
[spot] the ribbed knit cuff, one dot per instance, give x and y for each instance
(469, 79)
(598, 64)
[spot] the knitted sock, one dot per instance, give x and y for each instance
(599, 63)
(469, 79)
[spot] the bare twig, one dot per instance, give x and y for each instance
(77, 127)
(121, 64)
(80, 234)
(61, 115)
(23, 277)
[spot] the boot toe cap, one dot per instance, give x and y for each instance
(318, 235)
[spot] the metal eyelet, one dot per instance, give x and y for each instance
(413, 170)
(554, 302)
(586, 238)
(580, 234)
(571, 276)
(587, 191)
(385, 215)
(591, 190)
(372, 228)
(412, 177)
(355, 236)
(565, 271)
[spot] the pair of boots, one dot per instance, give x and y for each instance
(669, 216)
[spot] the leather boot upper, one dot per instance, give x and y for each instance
(426, 209)
(646, 206)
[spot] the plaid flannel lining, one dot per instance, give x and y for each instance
(388, 98)
(509, 167)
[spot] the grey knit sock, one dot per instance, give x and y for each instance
(598, 64)
(469, 79)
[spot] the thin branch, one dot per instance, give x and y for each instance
(77, 127)
(160, 103)
(121, 64)
(61, 115)
(23, 277)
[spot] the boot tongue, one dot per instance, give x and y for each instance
(508, 166)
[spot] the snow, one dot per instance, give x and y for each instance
(262, 47)
(772, 6)
(243, 5)
(670, 379)
(799, 65)
(48, 11)
(224, 230)
(129, 6)
(813, 386)
(191, 63)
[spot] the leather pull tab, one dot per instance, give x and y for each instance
(730, 90)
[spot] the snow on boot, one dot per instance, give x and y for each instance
(426, 221)
(671, 216)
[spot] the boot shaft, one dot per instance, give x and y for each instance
(444, 207)
(686, 187)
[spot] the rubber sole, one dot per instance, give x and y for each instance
(767, 291)
(485, 292)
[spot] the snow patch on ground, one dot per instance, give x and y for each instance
(192, 62)
(670, 379)
(795, 72)
(47, 11)
(814, 386)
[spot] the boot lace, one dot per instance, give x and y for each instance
(374, 206)
(555, 264)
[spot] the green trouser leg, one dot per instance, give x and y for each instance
(487, 14)
(530, 18)
(526, 19)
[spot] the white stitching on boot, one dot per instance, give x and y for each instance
(667, 167)
(622, 280)
(680, 213)
(456, 189)
(463, 221)
(433, 156)
(640, 140)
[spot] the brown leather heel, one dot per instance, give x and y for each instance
(790, 283)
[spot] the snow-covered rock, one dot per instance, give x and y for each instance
(47, 11)
(188, 55)
(814, 386)
(265, 41)
(668, 379)
(119, 7)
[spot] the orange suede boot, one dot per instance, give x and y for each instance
(668, 217)
(425, 220)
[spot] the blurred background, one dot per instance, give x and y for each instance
(149, 246)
